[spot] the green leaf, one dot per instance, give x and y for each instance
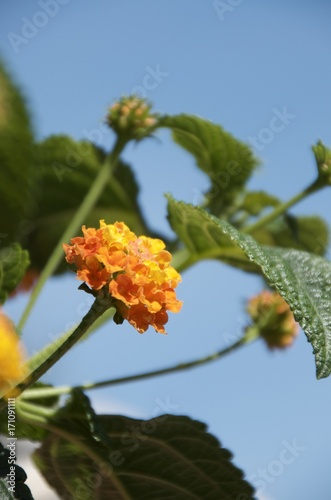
(256, 201)
(302, 233)
(13, 264)
(67, 170)
(210, 246)
(97, 457)
(17, 167)
(227, 161)
(302, 279)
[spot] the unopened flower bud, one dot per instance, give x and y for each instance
(273, 318)
(323, 161)
(131, 117)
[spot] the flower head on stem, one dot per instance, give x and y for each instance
(273, 318)
(135, 270)
(131, 117)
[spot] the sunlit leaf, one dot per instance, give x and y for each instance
(303, 279)
(227, 161)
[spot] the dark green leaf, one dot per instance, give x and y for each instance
(90, 457)
(227, 161)
(13, 264)
(303, 279)
(17, 168)
(67, 170)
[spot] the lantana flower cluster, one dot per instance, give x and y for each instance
(274, 319)
(11, 357)
(136, 271)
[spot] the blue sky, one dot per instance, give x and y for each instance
(235, 69)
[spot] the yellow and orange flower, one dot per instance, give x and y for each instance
(136, 271)
(274, 319)
(11, 356)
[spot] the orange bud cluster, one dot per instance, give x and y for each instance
(136, 271)
(274, 319)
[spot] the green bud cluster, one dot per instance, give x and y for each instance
(323, 161)
(131, 118)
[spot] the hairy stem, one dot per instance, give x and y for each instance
(56, 391)
(99, 306)
(281, 209)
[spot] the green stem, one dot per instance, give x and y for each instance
(99, 306)
(315, 186)
(33, 409)
(86, 206)
(57, 391)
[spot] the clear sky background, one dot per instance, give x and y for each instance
(234, 69)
